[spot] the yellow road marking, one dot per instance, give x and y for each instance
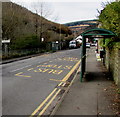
(68, 59)
(69, 74)
(60, 66)
(63, 80)
(55, 66)
(21, 74)
(45, 108)
(49, 71)
(66, 82)
(30, 69)
(72, 70)
(56, 80)
(38, 65)
(57, 72)
(49, 103)
(67, 67)
(41, 105)
(45, 63)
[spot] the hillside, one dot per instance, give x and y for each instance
(81, 26)
(24, 28)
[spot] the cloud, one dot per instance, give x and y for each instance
(4, 0)
(63, 0)
(68, 10)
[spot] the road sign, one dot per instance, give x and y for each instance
(6, 41)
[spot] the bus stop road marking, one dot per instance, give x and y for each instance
(21, 74)
(30, 69)
(46, 69)
(53, 94)
(69, 59)
(72, 70)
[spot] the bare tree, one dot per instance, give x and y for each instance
(11, 20)
(41, 9)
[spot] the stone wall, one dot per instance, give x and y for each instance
(112, 62)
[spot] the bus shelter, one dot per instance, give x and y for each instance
(93, 33)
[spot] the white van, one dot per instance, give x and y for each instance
(72, 44)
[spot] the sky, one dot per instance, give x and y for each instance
(65, 11)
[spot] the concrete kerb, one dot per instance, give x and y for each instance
(64, 94)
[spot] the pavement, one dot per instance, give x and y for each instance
(94, 96)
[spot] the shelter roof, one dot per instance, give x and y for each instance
(98, 32)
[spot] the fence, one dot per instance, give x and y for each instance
(19, 53)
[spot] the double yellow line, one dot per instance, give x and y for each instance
(42, 104)
(54, 93)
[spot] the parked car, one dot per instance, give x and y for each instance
(87, 45)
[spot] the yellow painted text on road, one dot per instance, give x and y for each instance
(56, 66)
(30, 69)
(71, 59)
(50, 71)
(53, 94)
(22, 75)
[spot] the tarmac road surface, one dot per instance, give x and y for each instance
(27, 84)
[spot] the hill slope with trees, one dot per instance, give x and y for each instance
(26, 29)
(81, 26)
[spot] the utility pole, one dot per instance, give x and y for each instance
(60, 36)
(36, 23)
(41, 20)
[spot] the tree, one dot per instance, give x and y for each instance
(110, 17)
(14, 25)
(41, 9)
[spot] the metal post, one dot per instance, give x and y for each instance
(83, 58)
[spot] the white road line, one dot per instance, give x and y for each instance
(20, 68)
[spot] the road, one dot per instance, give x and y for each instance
(27, 83)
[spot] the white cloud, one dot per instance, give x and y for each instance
(4, 0)
(69, 10)
(61, 0)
